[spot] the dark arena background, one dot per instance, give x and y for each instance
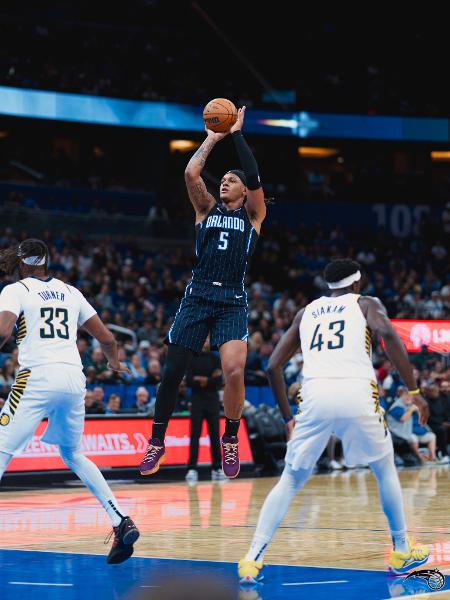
(348, 117)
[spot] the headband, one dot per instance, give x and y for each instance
(335, 285)
(35, 261)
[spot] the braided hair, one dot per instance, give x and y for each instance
(11, 258)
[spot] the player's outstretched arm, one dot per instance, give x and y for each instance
(256, 204)
(378, 321)
(201, 199)
(108, 344)
(284, 350)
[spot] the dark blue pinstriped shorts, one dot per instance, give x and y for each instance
(219, 311)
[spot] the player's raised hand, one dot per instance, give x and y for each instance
(239, 121)
(119, 367)
(215, 136)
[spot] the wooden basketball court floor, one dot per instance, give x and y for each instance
(332, 544)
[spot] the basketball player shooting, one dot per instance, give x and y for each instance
(215, 300)
(50, 382)
(339, 395)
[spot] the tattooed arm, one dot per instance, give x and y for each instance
(201, 199)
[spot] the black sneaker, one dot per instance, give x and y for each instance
(125, 535)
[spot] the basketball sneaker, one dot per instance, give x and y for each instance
(417, 555)
(125, 535)
(218, 475)
(153, 457)
(192, 476)
(230, 456)
(249, 571)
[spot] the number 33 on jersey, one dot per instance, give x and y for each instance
(49, 313)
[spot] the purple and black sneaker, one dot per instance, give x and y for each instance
(153, 457)
(230, 456)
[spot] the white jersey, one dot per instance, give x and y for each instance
(48, 315)
(335, 339)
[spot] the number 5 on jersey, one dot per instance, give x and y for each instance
(223, 240)
(336, 327)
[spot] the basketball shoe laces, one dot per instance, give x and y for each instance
(114, 531)
(230, 451)
(151, 453)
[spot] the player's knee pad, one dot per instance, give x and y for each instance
(178, 359)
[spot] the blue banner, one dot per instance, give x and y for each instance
(181, 117)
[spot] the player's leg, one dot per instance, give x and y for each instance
(366, 439)
(310, 437)
(406, 553)
(19, 418)
(233, 355)
(5, 459)
(275, 508)
(186, 338)
(124, 530)
(65, 429)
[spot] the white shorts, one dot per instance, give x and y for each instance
(54, 391)
(425, 438)
(346, 407)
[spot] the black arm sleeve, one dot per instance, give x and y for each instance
(248, 162)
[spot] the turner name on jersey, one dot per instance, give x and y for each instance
(48, 313)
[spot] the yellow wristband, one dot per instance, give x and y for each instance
(414, 392)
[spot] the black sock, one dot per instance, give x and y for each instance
(177, 361)
(159, 431)
(231, 427)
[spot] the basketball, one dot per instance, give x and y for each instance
(219, 115)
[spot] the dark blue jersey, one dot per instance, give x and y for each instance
(225, 243)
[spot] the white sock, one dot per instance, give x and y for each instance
(391, 500)
(4, 462)
(91, 476)
(275, 508)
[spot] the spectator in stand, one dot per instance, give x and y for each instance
(113, 405)
(254, 370)
(89, 404)
(293, 370)
(439, 420)
(183, 400)
(154, 372)
(83, 349)
(147, 332)
(399, 419)
(98, 396)
(143, 352)
(137, 372)
(102, 373)
(143, 404)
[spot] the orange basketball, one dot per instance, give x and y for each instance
(219, 115)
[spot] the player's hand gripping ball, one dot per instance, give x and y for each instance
(219, 115)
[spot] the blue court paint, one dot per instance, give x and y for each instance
(88, 577)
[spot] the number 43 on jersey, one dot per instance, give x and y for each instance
(334, 335)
